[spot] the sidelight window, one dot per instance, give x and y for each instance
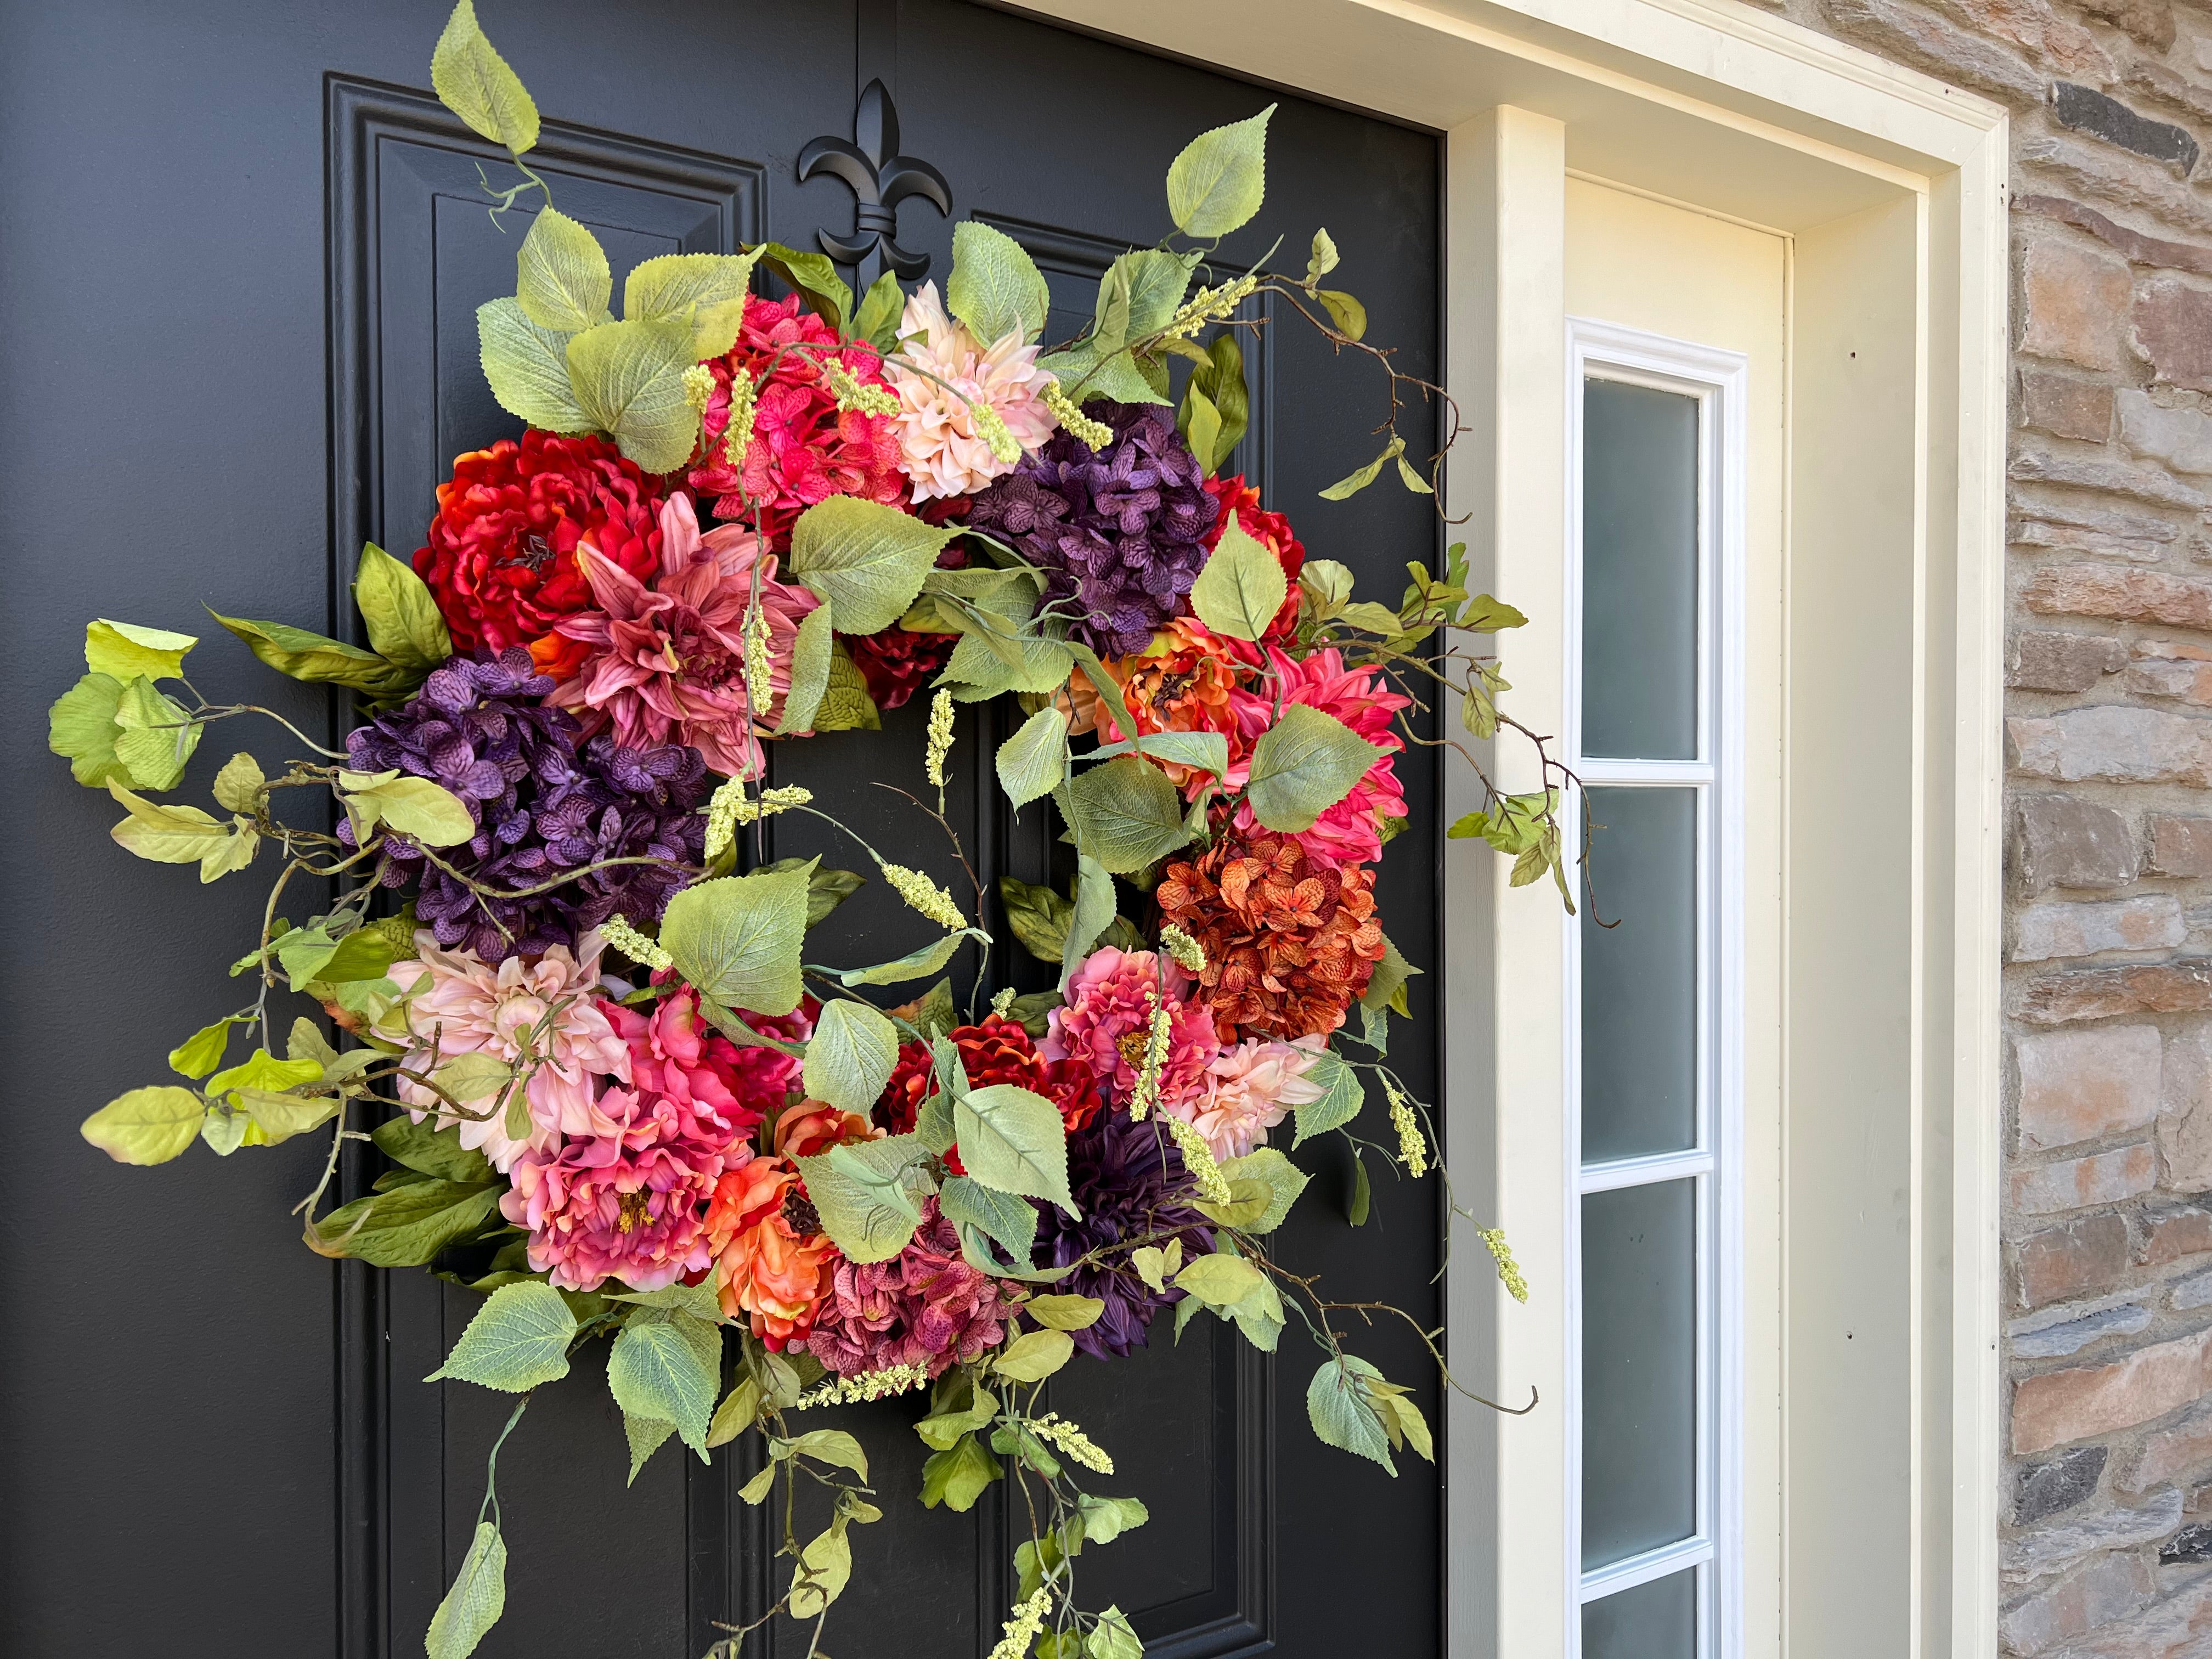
(1655, 526)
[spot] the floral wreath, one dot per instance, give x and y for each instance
(621, 1101)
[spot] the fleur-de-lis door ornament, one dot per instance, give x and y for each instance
(880, 179)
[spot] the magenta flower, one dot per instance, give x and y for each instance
(666, 664)
(1107, 1022)
(926, 1306)
(1350, 832)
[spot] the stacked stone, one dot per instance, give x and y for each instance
(2107, 1546)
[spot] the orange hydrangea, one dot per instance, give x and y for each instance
(1289, 942)
(773, 1264)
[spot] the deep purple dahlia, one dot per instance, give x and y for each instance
(1128, 1181)
(542, 806)
(1123, 532)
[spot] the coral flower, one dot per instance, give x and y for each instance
(543, 1016)
(1107, 1023)
(926, 1306)
(1249, 1090)
(772, 1260)
(805, 449)
(501, 559)
(671, 1054)
(1351, 831)
(942, 451)
(811, 1128)
(629, 1203)
(668, 662)
(1273, 532)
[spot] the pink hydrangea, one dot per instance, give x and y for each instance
(543, 1014)
(1107, 1022)
(627, 1204)
(672, 1052)
(666, 663)
(1350, 832)
(940, 448)
(1248, 1091)
(926, 1306)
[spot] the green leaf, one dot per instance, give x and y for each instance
(1156, 282)
(866, 559)
(756, 1490)
(238, 784)
(201, 1052)
(1324, 258)
(738, 938)
(281, 1116)
(740, 1410)
(407, 1227)
(1347, 313)
(846, 704)
(1033, 1357)
(1112, 1637)
(155, 735)
(1015, 1141)
(629, 381)
(416, 807)
(1363, 1191)
(1340, 1103)
(999, 660)
(860, 1194)
(478, 1597)
(527, 368)
(995, 287)
(1221, 1281)
(518, 1339)
(1207, 750)
(1093, 909)
(1105, 1519)
(1038, 916)
(317, 659)
(471, 1077)
(164, 834)
(825, 1566)
(146, 1126)
(914, 964)
(881, 306)
(825, 889)
(434, 1151)
(645, 1435)
(1126, 814)
(1199, 422)
(957, 1477)
(1304, 764)
(811, 657)
(80, 728)
(1220, 178)
(560, 276)
(851, 1055)
(235, 852)
(1413, 480)
(707, 289)
(1386, 988)
(1011, 1221)
(126, 652)
(402, 617)
(474, 82)
(1241, 587)
(1352, 483)
(815, 279)
(1064, 1313)
(1341, 1413)
(1367, 614)
(832, 1446)
(1283, 1180)
(655, 1372)
(1034, 760)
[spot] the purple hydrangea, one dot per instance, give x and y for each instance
(542, 806)
(1128, 1181)
(1120, 533)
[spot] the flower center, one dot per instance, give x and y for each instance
(633, 1212)
(1133, 1045)
(534, 552)
(799, 1215)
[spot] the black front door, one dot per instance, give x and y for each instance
(245, 247)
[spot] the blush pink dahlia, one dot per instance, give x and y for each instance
(939, 447)
(1350, 832)
(926, 1306)
(629, 1203)
(666, 663)
(544, 1015)
(1249, 1090)
(1107, 1023)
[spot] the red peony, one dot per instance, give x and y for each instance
(1271, 530)
(997, 1051)
(501, 559)
(804, 449)
(896, 663)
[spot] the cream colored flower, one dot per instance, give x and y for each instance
(963, 407)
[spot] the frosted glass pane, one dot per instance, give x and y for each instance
(1639, 573)
(1657, 1620)
(1639, 977)
(1639, 1370)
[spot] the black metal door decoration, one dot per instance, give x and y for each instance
(1231, 1561)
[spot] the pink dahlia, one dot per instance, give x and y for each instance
(670, 1053)
(1350, 832)
(1249, 1090)
(805, 449)
(926, 1306)
(942, 451)
(1107, 1023)
(543, 1015)
(666, 664)
(629, 1203)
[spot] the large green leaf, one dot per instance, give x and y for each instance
(407, 1227)
(154, 735)
(997, 660)
(1220, 178)
(1303, 765)
(656, 1371)
(1035, 1355)
(866, 559)
(1207, 750)
(846, 705)
(995, 287)
(810, 672)
(1034, 760)
(426, 813)
(825, 1568)
(1093, 909)
(399, 611)
(434, 1151)
(527, 368)
(478, 1597)
(128, 652)
(1010, 1219)
(629, 380)
(1014, 1140)
(850, 1056)
(81, 726)
(1342, 1097)
(1241, 587)
(1342, 1414)
(1157, 281)
(146, 1126)
(562, 281)
(1126, 814)
(318, 659)
(1281, 1180)
(518, 1339)
(738, 940)
(1038, 916)
(881, 306)
(815, 278)
(957, 1476)
(708, 289)
(166, 834)
(474, 82)
(860, 1192)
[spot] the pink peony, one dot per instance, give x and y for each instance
(665, 664)
(1106, 1022)
(1350, 832)
(629, 1203)
(926, 1306)
(1249, 1090)
(463, 1005)
(940, 450)
(670, 1053)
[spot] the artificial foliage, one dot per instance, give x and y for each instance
(575, 1016)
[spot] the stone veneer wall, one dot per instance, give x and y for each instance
(2108, 1506)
